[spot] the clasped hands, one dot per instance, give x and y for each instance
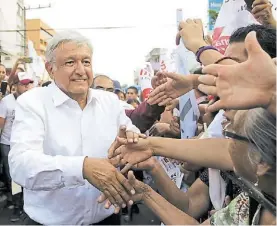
(118, 190)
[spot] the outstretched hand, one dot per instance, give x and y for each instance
(123, 137)
(243, 85)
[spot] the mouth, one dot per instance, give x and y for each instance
(79, 80)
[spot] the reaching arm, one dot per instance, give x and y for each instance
(195, 202)
(30, 167)
(167, 213)
(145, 115)
(209, 153)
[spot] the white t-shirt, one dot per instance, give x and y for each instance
(7, 110)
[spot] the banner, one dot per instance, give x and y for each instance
(145, 74)
(232, 15)
(189, 112)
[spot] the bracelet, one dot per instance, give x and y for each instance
(201, 50)
(223, 58)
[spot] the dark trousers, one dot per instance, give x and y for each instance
(5, 149)
(111, 220)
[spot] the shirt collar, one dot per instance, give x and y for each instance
(59, 97)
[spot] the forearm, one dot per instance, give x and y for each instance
(145, 115)
(34, 170)
(209, 153)
(210, 56)
(167, 213)
(168, 189)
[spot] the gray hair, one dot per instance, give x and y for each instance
(260, 128)
(64, 37)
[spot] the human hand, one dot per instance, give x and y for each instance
(176, 86)
(132, 154)
(158, 79)
(175, 127)
(159, 129)
(262, 11)
(104, 176)
(172, 105)
(141, 189)
(192, 34)
(124, 137)
(243, 85)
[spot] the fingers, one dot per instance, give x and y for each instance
(207, 80)
(126, 168)
(124, 182)
(216, 106)
(209, 90)
(122, 131)
(165, 101)
(131, 178)
(259, 2)
(116, 144)
(131, 137)
(259, 8)
(212, 69)
(252, 45)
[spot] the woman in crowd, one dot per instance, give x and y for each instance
(252, 150)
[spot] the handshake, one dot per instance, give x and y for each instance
(130, 151)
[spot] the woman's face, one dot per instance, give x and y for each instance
(239, 150)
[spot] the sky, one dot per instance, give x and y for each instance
(117, 52)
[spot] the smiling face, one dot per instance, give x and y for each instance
(72, 71)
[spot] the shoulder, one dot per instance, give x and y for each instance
(33, 96)
(104, 96)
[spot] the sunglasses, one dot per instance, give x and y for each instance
(232, 135)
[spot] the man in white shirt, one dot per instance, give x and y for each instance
(60, 140)
(22, 83)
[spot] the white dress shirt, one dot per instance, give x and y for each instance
(7, 110)
(50, 138)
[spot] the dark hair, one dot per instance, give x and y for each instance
(100, 76)
(117, 91)
(134, 88)
(45, 84)
(266, 37)
(130, 101)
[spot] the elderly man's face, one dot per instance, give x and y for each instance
(104, 84)
(73, 70)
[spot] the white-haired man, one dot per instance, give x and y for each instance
(60, 141)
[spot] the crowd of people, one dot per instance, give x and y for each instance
(80, 147)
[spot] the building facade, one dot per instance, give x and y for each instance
(39, 33)
(11, 31)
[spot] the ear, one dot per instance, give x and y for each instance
(49, 69)
(262, 169)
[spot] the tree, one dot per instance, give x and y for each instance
(213, 15)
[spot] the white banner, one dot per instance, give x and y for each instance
(232, 15)
(145, 74)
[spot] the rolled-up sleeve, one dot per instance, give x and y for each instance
(30, 167)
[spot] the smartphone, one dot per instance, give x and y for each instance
(4, 85)
(249, 4)
(27, 60)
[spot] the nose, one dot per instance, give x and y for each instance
(80, 68)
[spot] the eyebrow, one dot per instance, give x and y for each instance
(74, 57)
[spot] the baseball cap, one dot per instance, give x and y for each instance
(25, 78)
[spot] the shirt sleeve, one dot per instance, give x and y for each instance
(145, 115)
(3, 109)
(30, 167)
